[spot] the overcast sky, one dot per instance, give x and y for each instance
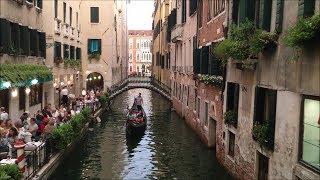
(140, 14)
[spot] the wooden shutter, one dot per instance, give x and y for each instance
(15, 37)
(42, 44)
(25, 40)
(5, 35)
(266, 14)
(94, 12)
(33, 42)
(230, 97)
(99, 45)
(204, 60)
(259, 102)
(235, 11)
(196, 61)
(279, 15)
(272, 104)
(236, 97)
(242, 11)
(89, 44)
(309, 7)
(250, 9)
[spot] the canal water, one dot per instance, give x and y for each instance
(167, 150)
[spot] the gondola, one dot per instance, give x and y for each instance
(136, 121)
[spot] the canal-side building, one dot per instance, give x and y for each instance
(160, 41)
(140, 57)
(104, 38)
(25, 80)
(275, 134)
(62, 26)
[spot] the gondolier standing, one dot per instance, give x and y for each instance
(139, 101)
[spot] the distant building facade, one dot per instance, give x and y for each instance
(140, 56)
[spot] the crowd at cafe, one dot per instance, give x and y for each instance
(39, 126)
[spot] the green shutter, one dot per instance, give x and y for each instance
(309, 7)
(242, 11)
(99, 44)
(250, 10)
(15, 37)
(279, 15)
(265, 14)
(89, 43)
(42, 44)
(5, 35)
(261, 12)
(25, 40)
(204, 60)
(300, 8)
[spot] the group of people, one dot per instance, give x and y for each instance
(136, 114)
(40, 125)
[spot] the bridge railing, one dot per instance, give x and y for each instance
(160, 85)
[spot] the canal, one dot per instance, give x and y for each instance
(168, 150)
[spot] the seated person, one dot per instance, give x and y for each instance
(33, 127)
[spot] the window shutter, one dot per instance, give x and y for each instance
(235, 11)
(279, 15)
(33, 39)
(230, 97)
(309, 7)
(25, 40)
(42, 43)
(242, 11)
(250, 9)
(196, 61)
(258, 104)
(236, 97)
(99, 45)
(272, 104)
(267, 8)
(89, 44)
(94, 11)
(15, 36)
(5, 35)
(205, 60)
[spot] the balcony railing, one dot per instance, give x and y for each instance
(57, 26)
(187, 70)
(176, 34)
(72, 36)
(66, 30)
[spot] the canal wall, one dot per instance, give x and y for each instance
(47, 170)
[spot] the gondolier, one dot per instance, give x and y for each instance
(139, 101)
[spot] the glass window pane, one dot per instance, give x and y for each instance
(311, 140)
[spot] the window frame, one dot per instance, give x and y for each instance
(301, 132)
(92, 19)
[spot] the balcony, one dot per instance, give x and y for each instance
(66, 30)
(57, 26)
(72, 34)
(176, 34)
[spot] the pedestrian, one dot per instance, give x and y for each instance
(4, 116)
(64, 96)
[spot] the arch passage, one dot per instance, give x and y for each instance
(94, 81)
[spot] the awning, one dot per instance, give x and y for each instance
(20, 75)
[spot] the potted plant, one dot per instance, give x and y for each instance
(231, 118)
(262, 133)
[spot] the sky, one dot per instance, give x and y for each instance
(140, 14)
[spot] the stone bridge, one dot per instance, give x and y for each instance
(140, 82)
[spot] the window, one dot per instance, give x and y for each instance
(306, 8)
(66, 54)
(56, 8)
(279, 15)
(78, 53)
(200, 14)
(233, 97)
(57, 51)
(94, 46)
(188, 92)
(198, 108)
(265, 10)
(138, 56)
(94, 13)
(206, 113)
(214, 63)
(42, 44)
(231, 144)
(39, 4)
(70, 15)
(77, 20)
(138, 45)
(22, 98)
(243, 9)
(263, 166)
(34, 46)
(25, 40)
(309, 134)
(35, 96)
(192, 6)
(130, 68)
(265, 110)
(210, 10)
(184, 11)
(15, 37)
(64, 12)
(72, 55)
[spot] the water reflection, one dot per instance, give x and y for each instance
(168, 149)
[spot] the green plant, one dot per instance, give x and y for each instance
(22, 74)
(10, 172)
(245, 43)
(231, 117)
(306, 30)
(95, 56)
(263, 134)
(210, 79)
(86, 112)
(103, 99)
(73, 63)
